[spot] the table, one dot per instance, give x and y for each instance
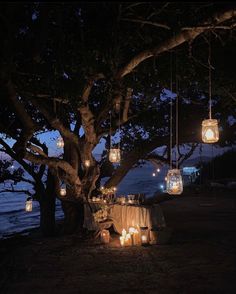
(126, 216)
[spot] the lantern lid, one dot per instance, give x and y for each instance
(210, 121)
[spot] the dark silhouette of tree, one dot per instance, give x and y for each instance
(71, 66)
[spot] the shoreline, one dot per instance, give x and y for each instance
(198, 259)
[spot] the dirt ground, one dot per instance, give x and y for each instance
(200, 257)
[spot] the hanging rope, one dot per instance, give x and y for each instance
(177, 115)
(171, 110)
(110, 132)
(209, 73)
(119, 128)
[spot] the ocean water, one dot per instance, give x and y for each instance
(14, 219)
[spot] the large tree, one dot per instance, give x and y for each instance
(84, 70)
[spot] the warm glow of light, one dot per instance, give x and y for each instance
(29, 205)
(210, 131)
(153, 174)
(60, 143)
(114, 155)
(158, 170)
(174, 183)
(63, 191)
(123, 232)
(209, 134)
(144, 239)
(87, 163)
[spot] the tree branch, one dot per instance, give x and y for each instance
(56, 123)
(180, 38)
(16, 191)
(155, 24)
(70, 174)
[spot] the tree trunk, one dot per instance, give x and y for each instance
(74, 216)
(47, 215)
(73, 211)
(47, 207)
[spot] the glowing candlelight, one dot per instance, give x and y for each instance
(63, 192)
(123, 232)
(122, 241)
(105, 236)
(144, 239)
(29, 205)
(87, 163)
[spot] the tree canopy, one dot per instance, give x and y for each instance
(86, 69)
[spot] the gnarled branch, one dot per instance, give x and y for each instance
(178, 39)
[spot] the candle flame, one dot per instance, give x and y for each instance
(209, 134)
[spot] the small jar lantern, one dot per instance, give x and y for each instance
(60, 143)
(174, 183)
(87, 163)
(144, 236)
(114, 155)
(210, 131)
(29, 204)
(105, 236)
(63, 191)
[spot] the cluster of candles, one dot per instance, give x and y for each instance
(134, 237)
(106, 191)
(100, 199)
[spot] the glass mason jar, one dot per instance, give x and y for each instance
(144, 234)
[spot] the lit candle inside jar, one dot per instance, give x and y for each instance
(128, 240)
(131, 232)
(144, 239)
(175, 187)
(123, 233)
(105, 236)
(122, 241)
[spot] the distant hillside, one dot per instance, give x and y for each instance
(196, 161)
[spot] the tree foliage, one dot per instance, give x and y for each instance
(84, 69)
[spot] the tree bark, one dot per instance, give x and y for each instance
(47, 215)
(73, 211)
(47, 206)
(74, 216)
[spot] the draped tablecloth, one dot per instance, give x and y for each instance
(125, 216)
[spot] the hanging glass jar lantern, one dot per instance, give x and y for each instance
(114, 155)
(87, 163)
(174, 183)
(210, 131)
(63, 191)
(29, 204)
(60, 143)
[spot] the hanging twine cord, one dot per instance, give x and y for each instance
(177, 116)
(119, 127)
(171, 110)
(110, 132)
(209, 69)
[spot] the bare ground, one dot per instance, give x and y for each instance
(200, 257)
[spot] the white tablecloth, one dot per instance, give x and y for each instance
(125, 216)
